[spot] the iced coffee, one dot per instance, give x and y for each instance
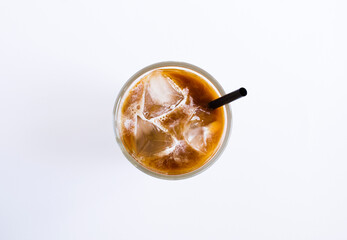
(164, 123)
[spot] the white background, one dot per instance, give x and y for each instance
(283, 175)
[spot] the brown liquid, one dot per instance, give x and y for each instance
(174, 141)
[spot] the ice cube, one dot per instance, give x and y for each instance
(199, 129)
(175, 120)
(161, 95)
(196, 137)
(150, 139)
(183, 153)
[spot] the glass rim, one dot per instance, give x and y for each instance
(207, 77)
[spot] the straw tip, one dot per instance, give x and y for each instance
(243, 91)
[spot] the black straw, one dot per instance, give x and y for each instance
(227, 98)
